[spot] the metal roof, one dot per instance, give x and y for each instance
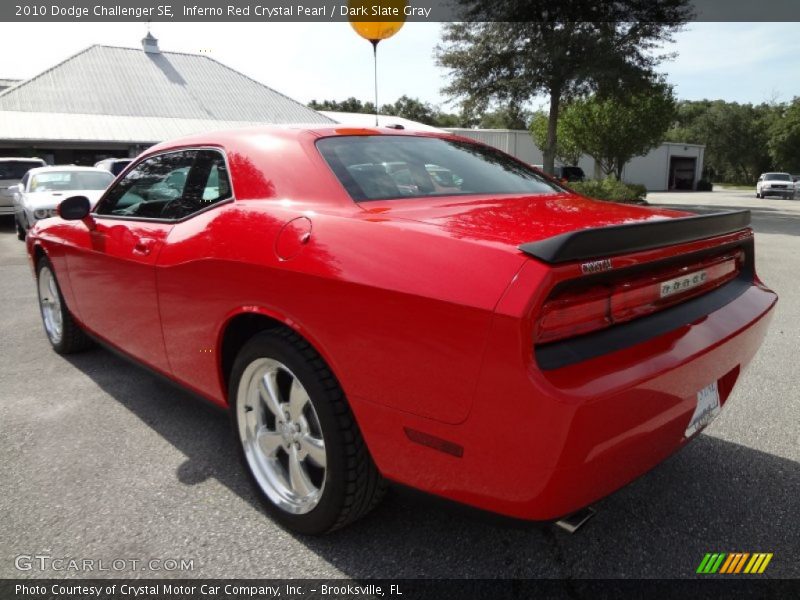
(65, 127)
(128, 82)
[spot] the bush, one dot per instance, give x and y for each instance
(704, 185)
(612, 189)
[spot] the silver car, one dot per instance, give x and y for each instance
(775, 184)
(12, 170)
(42, 189)
(114, 165)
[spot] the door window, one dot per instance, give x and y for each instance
(170, 186)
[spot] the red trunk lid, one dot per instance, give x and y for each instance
(515, 220)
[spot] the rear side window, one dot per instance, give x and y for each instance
(170, 186)
(16, 169)
(118, 166)
(389, 167)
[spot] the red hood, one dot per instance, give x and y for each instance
(517, 219)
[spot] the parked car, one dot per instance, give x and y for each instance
(775, 184)
(509, 345)
(12, 170)
(41, 189)
(568, 174)
(113, 165)
(565, 174)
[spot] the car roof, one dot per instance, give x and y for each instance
(66, 168)
(297, 132)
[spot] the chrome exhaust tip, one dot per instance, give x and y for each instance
(571, 523)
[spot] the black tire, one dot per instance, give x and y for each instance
(73, 339)
(21, 233)
(353, 486)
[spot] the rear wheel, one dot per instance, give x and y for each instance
(297, 436)
(64, 334)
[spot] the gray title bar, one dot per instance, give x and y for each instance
(361, 10)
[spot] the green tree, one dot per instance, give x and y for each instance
(555, 52)
(413, 109)
(614, 130)
(444, 119)
(405, 107)
(351, 105)
(509, 116)
(736, 136)
(784, 134)
(567, 151)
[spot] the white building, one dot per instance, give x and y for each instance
(669, 166)
(107, 101)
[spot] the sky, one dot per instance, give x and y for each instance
(743, 62)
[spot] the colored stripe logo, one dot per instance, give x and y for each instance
(734, 563)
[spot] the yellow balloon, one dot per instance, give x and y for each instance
(375, 31)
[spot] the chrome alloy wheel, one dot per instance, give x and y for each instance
(281, 436)
(50, 305)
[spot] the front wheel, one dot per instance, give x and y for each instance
(64, 334)
(297, 436)
(21, 233)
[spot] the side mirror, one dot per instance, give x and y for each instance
(14, 189)
(74, 208)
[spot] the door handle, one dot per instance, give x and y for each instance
(143, 246)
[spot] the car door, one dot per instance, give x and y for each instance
(113, 273)
(188, 273)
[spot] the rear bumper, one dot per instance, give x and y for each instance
(541, 444)
(641, 418)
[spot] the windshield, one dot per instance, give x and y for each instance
(118, 166)
(778, 177)
(70, 180)
(388, 167)
(16, 169)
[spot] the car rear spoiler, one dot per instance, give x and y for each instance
(634, 237)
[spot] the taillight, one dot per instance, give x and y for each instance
(577, 309)
(571, 314)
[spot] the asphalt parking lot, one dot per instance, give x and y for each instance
(101, 460)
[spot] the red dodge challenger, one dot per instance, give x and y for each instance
(374, 305)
